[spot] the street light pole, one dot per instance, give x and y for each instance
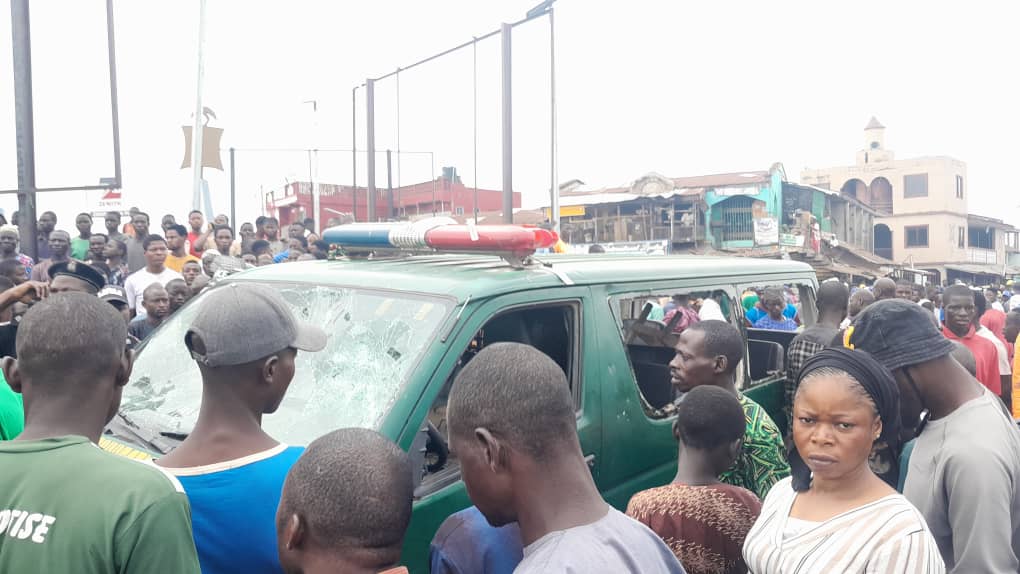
(508, 127)
(554, 189)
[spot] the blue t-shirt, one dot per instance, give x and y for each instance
(467, 544)
(233, 510)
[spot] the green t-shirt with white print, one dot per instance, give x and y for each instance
(66, 506)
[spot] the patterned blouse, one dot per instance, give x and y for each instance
(887, 536)
(762, 461)
(704, 526)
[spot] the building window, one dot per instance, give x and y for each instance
(915, 185)
(959, 187)
(459, 211)
(961, 237)
(981, 237)
(916, 235)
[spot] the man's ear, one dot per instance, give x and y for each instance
(269, 369)
(720, 364)
(127, 364)
(294, 532)
(494, 450)
(12, 373)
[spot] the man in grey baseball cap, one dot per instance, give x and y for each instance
(245, 340)
(965, 466)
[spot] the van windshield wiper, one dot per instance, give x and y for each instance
(128, 430)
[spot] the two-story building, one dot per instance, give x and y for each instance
(922, 214)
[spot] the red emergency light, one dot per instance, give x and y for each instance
(512, 241)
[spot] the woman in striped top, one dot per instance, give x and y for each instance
(834, 514)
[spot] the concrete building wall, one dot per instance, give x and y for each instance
(943, 237)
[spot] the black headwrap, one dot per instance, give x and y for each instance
(880, 386)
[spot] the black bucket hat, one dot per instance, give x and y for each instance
(897, 334)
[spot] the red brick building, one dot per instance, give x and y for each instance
(443, 196)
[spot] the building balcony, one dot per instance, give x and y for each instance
(979, 255)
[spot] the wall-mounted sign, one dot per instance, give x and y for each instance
(737, 190)
(766, 231)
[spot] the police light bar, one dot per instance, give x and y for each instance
(508, 240)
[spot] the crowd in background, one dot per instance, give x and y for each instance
(901, 455)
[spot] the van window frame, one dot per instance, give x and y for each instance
(447, 477)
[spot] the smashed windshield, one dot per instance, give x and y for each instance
(375, 339)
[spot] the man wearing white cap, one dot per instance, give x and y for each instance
(232, 471)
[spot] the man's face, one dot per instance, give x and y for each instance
(157, 303)
(179, 295)
(8, 242)
(59, 243)
(775, 307)
(692, 366)
(904, 292)
(1012, 328)
(294, 245)
(960, 311)
(97, 244)
(167, 222)
(20, 275)
(247, 231)
(223, 240)
(250, 259)
(141, 224)
(991, 297)
(191, 270)
(294, 254)
(296, 230)
(47, 222)
(272, 230)
(196, 220)
(221, 219)
(155, 255)
(112, 222)
(489, 490)
(264, 259)
(84, 224)
(112, 249)
(174, 241)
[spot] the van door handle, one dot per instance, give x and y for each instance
(590, 461)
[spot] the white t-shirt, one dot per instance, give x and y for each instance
(711, 311)
(1004, 366)
(614, 543)
(136, 283)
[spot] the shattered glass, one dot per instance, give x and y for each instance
(375, 340)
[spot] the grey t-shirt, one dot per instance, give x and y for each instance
(964, 477)
(615, 543)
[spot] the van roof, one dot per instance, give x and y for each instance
(460, 276)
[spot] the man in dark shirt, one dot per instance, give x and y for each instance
(833, 299)
(157, 307)
(135, 245)
(47, 223)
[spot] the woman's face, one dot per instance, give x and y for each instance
(834, 425)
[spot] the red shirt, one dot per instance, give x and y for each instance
(192, 241)
(985, 353)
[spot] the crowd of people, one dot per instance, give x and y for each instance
(901, 456)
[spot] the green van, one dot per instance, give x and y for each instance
(401, 329)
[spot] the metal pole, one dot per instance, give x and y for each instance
(233, 191)
(389, 184)
(114, 108)
(21, 41)
(370, 127)
(508, 124)
(554, 189)
(433, 159)
(474, 87)
(354, 152)
(196, 128)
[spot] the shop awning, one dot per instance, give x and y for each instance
(977, 269)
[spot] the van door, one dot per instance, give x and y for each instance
(555, 321)
(638, 327)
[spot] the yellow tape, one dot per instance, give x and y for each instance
(122, 450)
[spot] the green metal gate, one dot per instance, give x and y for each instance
(738, 219)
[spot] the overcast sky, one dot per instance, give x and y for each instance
(678, 88)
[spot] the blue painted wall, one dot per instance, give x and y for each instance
(771, 193)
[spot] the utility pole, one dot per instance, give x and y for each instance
(389, 185)
(354, 152)
(370, 128)
(21, 40)
(508, 127)
(198, 190)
